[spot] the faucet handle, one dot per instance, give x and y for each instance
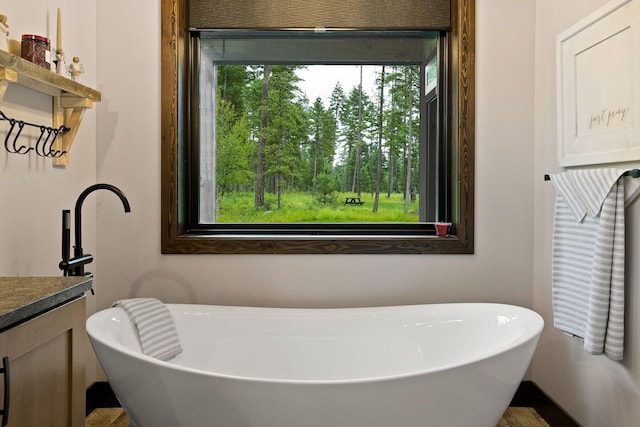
(66, 236)
(72, 267)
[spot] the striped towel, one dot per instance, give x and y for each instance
(588, 258)
(156, 330)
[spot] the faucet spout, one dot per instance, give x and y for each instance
(77, 250)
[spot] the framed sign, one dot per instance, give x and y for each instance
(598, 86)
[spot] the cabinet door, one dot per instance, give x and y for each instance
(47, 368)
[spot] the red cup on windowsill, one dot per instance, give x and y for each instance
(442, 228)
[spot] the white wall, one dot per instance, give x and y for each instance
(593, 389)
(129, 152)
(32, 191)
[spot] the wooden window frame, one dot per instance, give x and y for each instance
(177, 238)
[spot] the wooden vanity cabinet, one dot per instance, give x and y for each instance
(47, 368)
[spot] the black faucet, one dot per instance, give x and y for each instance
(75, 265)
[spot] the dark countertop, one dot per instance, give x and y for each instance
(22, 298)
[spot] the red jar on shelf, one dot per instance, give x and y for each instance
(36, 49)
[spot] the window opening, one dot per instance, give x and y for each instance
(337, 131)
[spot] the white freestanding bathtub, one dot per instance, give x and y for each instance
(438, 365)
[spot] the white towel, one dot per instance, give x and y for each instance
(588, 258)
(156, 330)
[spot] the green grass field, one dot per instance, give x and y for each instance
(304, 207)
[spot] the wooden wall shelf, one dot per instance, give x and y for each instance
(70, 98)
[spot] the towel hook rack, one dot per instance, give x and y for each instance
(44, 143)
(634, 173)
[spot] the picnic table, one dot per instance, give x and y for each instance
(353, 201)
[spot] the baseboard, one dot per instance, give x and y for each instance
(529, 395)
(100, 395)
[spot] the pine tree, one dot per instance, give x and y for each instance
(233, 149)
(379, 152)
(262, 139)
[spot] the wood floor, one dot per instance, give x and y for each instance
(107, 417)
(522, 417)
(513, 417)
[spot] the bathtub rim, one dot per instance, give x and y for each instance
(531, 335)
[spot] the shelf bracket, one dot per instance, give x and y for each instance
(70, 98)
(68, 110)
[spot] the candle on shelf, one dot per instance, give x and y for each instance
(59, 34)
